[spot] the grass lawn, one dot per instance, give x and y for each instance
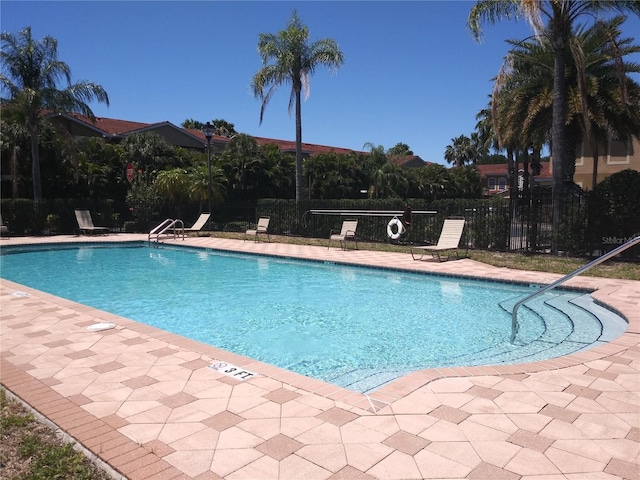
(30, 450)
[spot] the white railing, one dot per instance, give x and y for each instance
(584, 268)
(168, 227)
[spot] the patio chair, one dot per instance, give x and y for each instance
(199, 223)
(347, 232)
(261, 228)
(86, 226)
(449, 240)
(4, 229)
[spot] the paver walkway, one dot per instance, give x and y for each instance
(145, 403)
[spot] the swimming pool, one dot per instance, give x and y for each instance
(353, 326)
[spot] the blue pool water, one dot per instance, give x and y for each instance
(356, 327)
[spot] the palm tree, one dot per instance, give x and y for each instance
(223, 128)
(33, 72)
(173, 184)
(192, 124)
(560, 16)
(484, 128)
(14, 138)
(596, 109)
(243, 163)
(400, 149)
(198, 181)
(279, 172)
(601, 107)
(521, 104)
(461, 151)
(294, 60)
(220, 127)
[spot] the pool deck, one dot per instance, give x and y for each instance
(145, 404)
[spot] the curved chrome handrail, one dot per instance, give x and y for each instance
(584, 268)
(167, 225)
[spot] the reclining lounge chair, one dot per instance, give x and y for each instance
(85, 224)
(199, 223)
(4, 229)
(449, 240)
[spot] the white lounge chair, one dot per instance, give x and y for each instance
(4, 229)
(199, 223)
(261, 228)
(86, 226)
(449, 240)
(347, 232)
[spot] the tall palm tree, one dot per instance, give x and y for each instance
(597, 108)
(31, 72)
(602, 109)
(522, 99)
(560, 16)
(484, 128)
(293, 59)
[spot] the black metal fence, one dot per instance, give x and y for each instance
(520, 224)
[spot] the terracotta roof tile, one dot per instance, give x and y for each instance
(501, 169)
(112, 126)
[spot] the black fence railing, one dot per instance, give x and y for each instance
(521, 224)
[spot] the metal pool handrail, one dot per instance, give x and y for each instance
(584, 268)
(168, 224)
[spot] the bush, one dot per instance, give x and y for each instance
(613, 211)
(129, 226)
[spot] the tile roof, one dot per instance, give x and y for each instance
(110, 126)
(115, 127)
(311, 148)
(501, 169)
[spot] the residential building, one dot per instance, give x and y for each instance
(618, 156)
(116, 130)
(495, 177)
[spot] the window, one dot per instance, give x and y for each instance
(619, 152)
(502, 184)
(584, 151)
(492, 183)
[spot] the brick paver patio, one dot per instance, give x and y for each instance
(144, 403)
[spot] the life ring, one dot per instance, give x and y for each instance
(399, 228)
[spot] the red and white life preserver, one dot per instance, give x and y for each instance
(395, 221)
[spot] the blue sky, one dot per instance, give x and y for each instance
(412, 71)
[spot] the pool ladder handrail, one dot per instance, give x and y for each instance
(569, 276)
(165, 226)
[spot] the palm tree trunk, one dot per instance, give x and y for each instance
(35, 163)
(558, 151)
(596, 154)
(298, 146)
(513, 194)
(14, 171)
